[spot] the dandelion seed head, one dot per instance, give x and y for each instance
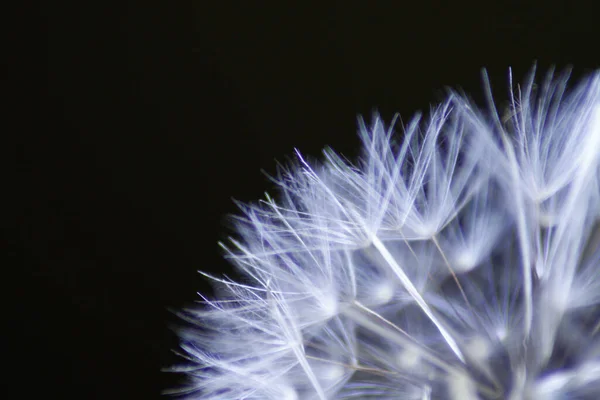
(457, 259)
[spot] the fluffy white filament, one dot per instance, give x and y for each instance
(458, 259)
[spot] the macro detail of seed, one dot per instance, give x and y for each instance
(458, 258)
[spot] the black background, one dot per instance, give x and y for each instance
(154, 114)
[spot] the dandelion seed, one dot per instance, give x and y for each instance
(459, 261)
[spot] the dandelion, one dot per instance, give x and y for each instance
(458, 260)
